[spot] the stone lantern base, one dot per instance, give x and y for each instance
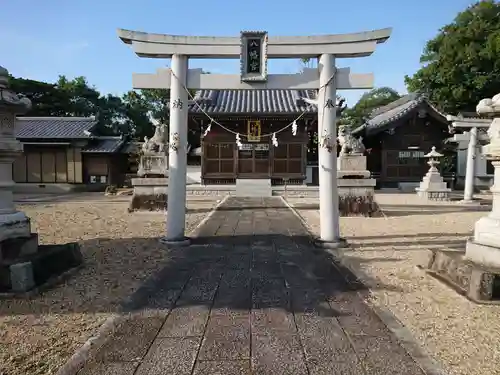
(475, 272)
(25, 265)
(484, 248)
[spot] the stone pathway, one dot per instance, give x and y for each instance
(251, 296)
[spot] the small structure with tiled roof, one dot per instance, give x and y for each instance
(394, 114)
(55, 128)
(398, 135)
(62, 153)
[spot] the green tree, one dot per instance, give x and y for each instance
(356, 115)
(135, 115)
(46, 98)
(461, 64)
(81, 100)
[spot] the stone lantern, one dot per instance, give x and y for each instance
(13, 223)
(24, 264)
(484, 248)
(433, 186)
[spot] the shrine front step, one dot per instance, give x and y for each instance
(253, 188)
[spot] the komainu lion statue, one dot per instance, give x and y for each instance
(348, 143)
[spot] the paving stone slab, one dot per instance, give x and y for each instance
(223, 368)
(186, 321)
(123, 368)
(170, 356)
(322, 338)
(252, 296)
(277, 353)
(384, 355)
(268, 320)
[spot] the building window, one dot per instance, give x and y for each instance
(98, 179)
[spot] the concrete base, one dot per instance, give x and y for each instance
(488, 256)
(487, 232)
(181, 242)
(150, 185)
(440, 195)
(340, 243)
(150, 194)
(475, 281)
(433, 186)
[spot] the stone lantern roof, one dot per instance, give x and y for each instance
(9, 100)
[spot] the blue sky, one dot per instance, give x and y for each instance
(43, 39)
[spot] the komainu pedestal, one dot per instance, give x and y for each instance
(151, 186)
(356, 188)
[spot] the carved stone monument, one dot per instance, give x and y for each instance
(24, 264)
(433, 187)
(476, 272)
(356, 188)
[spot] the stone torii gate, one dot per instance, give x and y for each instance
(254, 48)
(470, 169)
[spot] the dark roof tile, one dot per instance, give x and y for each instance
(273, 102)
(104, 145)
(382, 117)
(54, 127)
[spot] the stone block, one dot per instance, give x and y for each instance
(14, 225)
(351, 162)
(475, 281)
(21, 277)
(483, 254)
(153, 165)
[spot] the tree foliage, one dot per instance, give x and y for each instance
(461, 64)
(130, 114)
(356, 115)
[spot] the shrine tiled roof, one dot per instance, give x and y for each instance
(384, 117)
(54, 127)
(104, 145)
(264, 102)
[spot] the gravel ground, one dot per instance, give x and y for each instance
(120, 251)
(461, 336)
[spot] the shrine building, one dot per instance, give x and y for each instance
(255, 115)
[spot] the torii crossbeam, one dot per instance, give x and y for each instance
(254, 48)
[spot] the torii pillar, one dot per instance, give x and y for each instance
(253, 49)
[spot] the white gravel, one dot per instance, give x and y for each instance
(460, 335)
(120, 251)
